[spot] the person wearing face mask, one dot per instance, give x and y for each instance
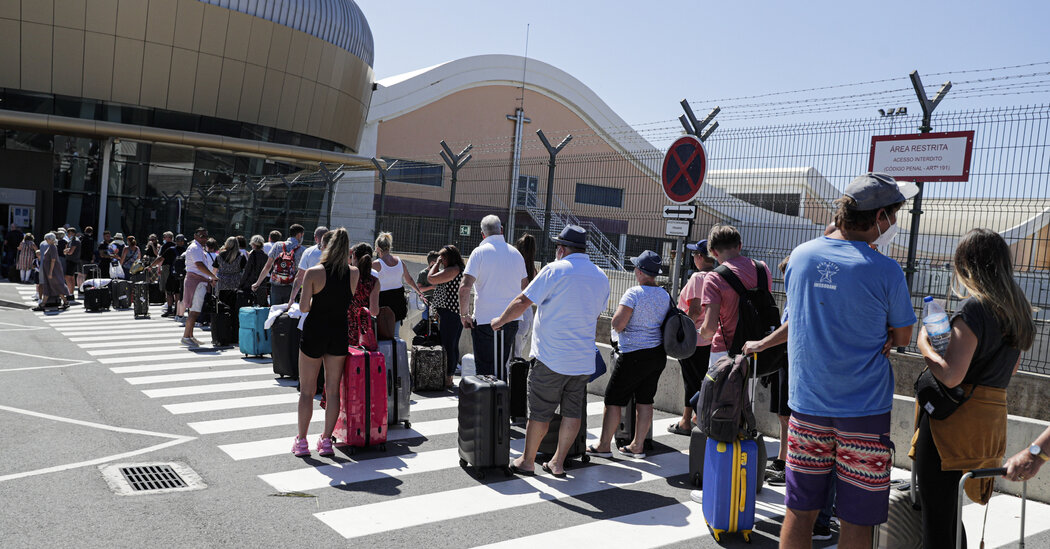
(847, 305)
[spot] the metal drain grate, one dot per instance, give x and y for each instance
(132, 479)
(152, 477)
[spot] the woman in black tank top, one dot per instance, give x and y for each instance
(327, 290)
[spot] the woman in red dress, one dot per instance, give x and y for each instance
(366, 298)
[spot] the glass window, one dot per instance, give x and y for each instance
(599, 196)
(527, 189)
(417, 173)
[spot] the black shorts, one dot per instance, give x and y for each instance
(694, 369)
(636, 374)
(778, 392)
(324, 338)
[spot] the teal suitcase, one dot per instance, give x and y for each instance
(253, 338)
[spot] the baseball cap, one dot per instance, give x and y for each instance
(872, 191)
(700, 247)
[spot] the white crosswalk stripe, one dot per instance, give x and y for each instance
(396, 514)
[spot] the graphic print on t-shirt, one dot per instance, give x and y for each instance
(827, 270)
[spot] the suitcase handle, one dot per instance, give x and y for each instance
(743, 488)
(499, 419)
(986, 473)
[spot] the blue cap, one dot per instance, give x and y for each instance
(648, 262)
(700, 246)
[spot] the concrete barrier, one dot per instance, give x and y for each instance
(1021, 431)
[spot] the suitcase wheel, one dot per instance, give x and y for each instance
(747, 537)
(507, 472)
(585, 458)
(462, 462)
(696, 479)
(479, 474)
(382, 447)
(408, 424)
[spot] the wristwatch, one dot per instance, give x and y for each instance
(1038, 452)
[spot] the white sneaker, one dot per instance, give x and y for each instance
(190, 342)
(697, 496)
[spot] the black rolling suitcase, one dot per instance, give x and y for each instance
(516, 374)
(628, 420)
(484, 424)
(223, 324)
(140, 299)
(120, 293)
(156, 294)
(284, 341)
(549, 444)
(95, 299)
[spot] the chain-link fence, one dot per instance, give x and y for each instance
(776, 184)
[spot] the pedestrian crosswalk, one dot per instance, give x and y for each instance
(236, 404)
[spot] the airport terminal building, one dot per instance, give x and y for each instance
(149, 115)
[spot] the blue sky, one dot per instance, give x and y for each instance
(642, 58)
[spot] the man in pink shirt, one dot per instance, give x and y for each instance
(695, 367)
(718, 298)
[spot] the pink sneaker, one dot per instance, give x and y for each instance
(324, 447)
(300, 447)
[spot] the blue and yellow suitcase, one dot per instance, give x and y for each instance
(730, 474)
(253, 338)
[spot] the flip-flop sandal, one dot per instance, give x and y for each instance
(547, 467)
(514, 469)
(677, 429)
(592, 451)
(623, 450)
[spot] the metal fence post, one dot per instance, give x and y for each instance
(454, 162)
(916, 212)
(551, 163)
(379, 164)
(695, 128)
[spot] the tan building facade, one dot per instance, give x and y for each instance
(222, 91)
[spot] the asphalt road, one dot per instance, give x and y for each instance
(83, 391)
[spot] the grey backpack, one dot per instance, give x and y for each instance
(679, 333)
(724, 409)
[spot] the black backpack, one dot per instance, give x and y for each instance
(758, 315)
(723, 410)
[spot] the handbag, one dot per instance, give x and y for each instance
(935, 399)
(599, 366)
(116, 270)
(367, 331)
(386, 324)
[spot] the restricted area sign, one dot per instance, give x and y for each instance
(941, 156)
(684, 167)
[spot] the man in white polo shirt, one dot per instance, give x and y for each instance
(496, 271)
(570, 293)
(198, 278)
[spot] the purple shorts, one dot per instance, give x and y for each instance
(854, 452)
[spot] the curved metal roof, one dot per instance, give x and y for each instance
(339, 22)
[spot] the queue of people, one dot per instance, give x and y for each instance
(847, 304)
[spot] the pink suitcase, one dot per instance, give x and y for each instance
(363, 400)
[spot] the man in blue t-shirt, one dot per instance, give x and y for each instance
(848, 305)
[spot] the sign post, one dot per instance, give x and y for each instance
(684, 167)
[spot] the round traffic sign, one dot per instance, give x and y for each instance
(683, 170)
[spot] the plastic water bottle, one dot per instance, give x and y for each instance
(936, 322)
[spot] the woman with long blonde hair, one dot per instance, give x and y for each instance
(327, 290)
(990, 329)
